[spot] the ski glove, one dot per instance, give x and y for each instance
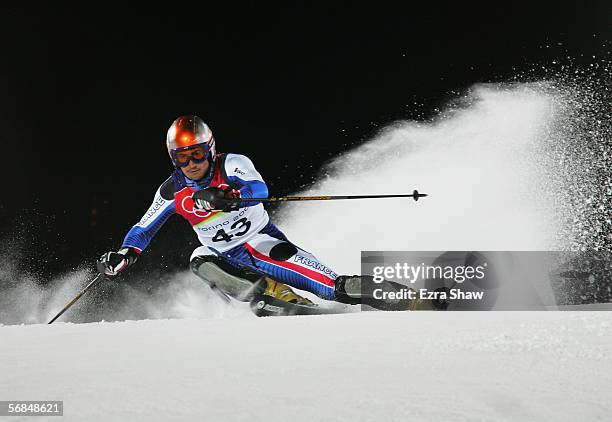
(217, 199)
(112, 263)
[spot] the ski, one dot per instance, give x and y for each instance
(264, 305)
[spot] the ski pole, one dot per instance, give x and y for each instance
(77, 297)
(415, 195)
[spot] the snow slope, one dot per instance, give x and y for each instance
(369, 366)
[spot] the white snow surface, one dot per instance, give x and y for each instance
(368, 366)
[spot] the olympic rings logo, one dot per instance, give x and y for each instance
(187, 204)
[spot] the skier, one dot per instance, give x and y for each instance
(243, 254)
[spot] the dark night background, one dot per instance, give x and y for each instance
(87, 97)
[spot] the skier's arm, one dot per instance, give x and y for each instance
(240, 170)
(140, 235)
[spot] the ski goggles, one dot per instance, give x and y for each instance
(197, 154)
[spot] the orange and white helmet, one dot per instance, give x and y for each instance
(190, 132)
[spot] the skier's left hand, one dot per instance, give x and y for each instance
(217, 199)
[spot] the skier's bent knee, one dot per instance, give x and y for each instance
(221, 275)
(241, 283)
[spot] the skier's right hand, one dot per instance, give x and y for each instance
(112, 263)
(217, 199)
(206, 199)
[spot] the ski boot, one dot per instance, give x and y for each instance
(283, 292)
(272, 298)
